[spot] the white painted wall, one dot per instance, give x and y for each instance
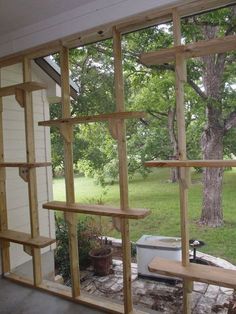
(14, 145)
(69, 22)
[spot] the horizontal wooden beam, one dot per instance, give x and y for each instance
(25, 239)
(100, 210)
(191, 163)
(194, 272)
(28, 87)
(197, 49)
(126, 25)
(64, 292)
(95, 118)
(24, 164)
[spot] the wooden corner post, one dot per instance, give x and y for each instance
(123, 170)
(69, 174)
(3, 202)
(180, 79)
(32, 182)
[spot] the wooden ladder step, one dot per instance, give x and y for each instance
(191, 163)
(27, 87)
(24, 164)
(97, 210)
(196, 49)
(194, 272)
(94, 118)
(25, 239)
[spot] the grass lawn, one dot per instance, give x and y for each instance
(155, 193)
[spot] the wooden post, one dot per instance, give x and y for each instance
(69, 174)
(32, 182)
(180, 79)
(3, 202)
(123, 171)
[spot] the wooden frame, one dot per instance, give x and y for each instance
(130, 24)
(23, 93)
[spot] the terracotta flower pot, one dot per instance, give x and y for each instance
(101, 260)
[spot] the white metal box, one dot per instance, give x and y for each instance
(149, 246)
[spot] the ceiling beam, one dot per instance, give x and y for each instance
(133, 23)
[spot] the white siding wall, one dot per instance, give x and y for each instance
(14, 145)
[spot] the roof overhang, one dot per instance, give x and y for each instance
(92, 22)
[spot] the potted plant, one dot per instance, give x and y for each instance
(101, 258)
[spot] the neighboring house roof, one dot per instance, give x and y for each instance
(53, 70)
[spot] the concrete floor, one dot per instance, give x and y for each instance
(17, 299)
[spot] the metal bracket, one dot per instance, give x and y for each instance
(67, 132)
(24, 173)
(113, 128)
(20, 97)
(28, 250)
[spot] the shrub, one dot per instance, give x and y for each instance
(88, 238)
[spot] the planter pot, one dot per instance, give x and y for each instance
(101, 260)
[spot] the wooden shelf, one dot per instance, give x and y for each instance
(27, 87)
(194, 272)
(97, 210)
(95, 118)
(197, 49)
(25, 239)
(191, 163)
(24, 164)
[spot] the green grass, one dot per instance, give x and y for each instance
(157, 194)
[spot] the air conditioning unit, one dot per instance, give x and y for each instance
(149, 246)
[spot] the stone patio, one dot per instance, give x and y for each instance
(161, 297)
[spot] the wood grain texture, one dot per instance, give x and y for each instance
(194, 272)
(69, 174)
(123, 171)
(26, 86)
(26, 239)
(191, 163)
(24, 164)
(5, 254)
(101, 210)
(95, 118)
(193, 50)
(32, 181)
(180, 79)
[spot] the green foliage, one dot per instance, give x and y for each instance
(88, 238)
(146, 88)
(156, 193)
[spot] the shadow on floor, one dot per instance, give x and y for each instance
(16, 299)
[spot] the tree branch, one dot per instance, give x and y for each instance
(230, 122)
(197, 89)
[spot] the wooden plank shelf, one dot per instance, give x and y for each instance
(194, 272)
(196, 49)
(24, 164)
(94, 118)
(191, 163)
(25, 239)
(27, 87)
(97, 210)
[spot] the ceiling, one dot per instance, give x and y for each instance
(15, 14)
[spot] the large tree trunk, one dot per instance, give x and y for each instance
(212, 146)
(212, 137)
(174, 174)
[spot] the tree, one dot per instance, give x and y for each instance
(217, 79)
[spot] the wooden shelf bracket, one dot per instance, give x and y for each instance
(24, 173)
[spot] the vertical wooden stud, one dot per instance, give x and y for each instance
(180, 79)
(32, 182)
(3, 203)
(69, 174)
(123, 171)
